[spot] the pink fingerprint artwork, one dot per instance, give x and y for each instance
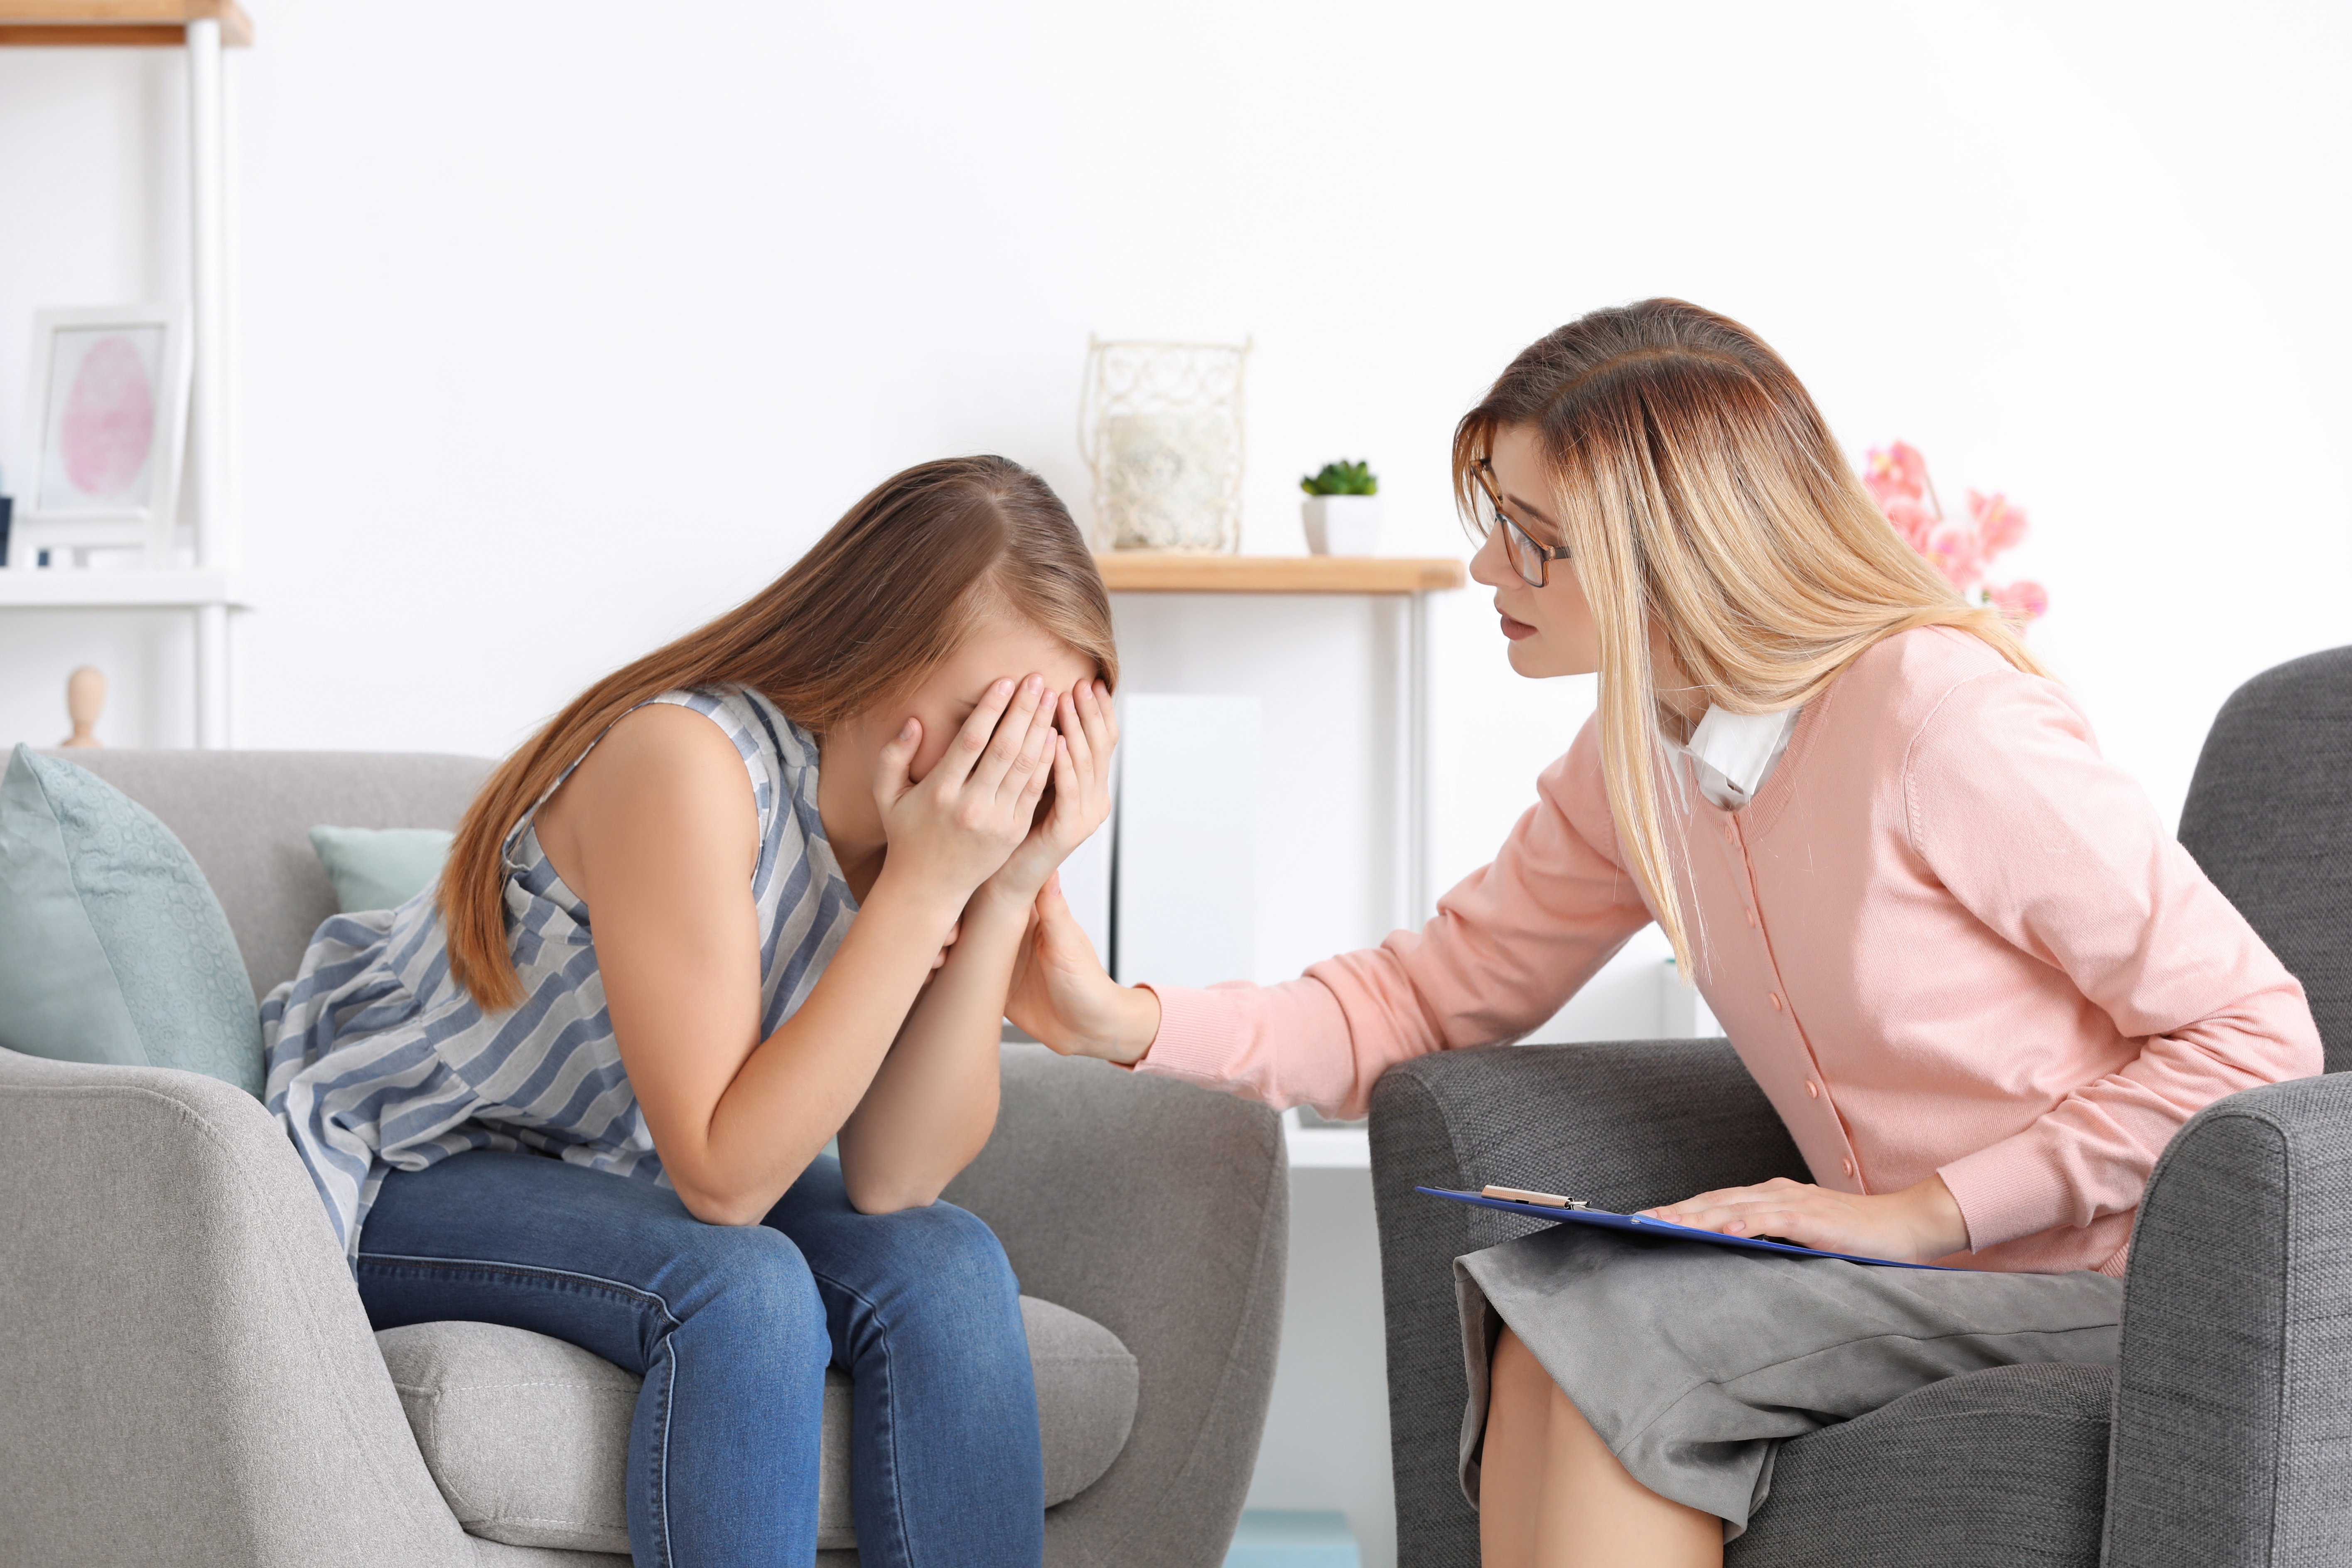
(109, 421)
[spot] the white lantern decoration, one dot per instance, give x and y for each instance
(1160, 425)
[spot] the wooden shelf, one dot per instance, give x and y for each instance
(58, 588)
(1155, 572)
(50, 24)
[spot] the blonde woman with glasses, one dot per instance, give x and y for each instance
(1976, 977)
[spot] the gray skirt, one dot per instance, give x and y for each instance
(1695, 1363)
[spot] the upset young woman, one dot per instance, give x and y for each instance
(1976, 976)
(763, 888)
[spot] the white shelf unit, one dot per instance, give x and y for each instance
(202, 27)
(95, 589)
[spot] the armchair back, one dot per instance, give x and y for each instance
(247, 817)
(2269, 817)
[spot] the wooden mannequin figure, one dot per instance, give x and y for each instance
(85, 699)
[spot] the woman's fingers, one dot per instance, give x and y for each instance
(972, 741)
(1068, 802)
(890, 779)
(1003, 753)
(1106, 717)
(1096, 717)
(1037, 757)
(1073, 729)
(1713, 1211)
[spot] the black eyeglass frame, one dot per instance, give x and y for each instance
(1518, 545)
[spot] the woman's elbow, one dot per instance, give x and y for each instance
(883, 1196)
(721, 1208)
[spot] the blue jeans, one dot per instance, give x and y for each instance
(732, 1328)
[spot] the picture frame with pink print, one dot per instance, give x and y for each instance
(108, 416)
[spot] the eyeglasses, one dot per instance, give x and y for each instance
(1531, 560)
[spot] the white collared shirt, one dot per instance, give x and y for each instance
(1734, 754)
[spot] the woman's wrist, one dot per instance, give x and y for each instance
(1133, 1023)
(917, 897)
(998, 898)
(1942, 1229)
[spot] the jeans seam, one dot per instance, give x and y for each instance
(906, 1546)
(621, 1288)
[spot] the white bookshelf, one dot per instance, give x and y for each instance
(192, 588)
(202, 28)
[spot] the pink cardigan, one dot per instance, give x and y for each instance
(1946, 936)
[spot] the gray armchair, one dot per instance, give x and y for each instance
(190, 1377)
(2224, 1437)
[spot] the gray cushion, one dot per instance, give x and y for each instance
(246, 816)
(2005, 1469)
(528, 1437)
(112, 950)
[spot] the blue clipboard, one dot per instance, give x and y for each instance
(1606, 1220)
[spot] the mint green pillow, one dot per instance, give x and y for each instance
(112, 948)
(379, 868)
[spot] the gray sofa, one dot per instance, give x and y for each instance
(190, 1377)
(2224, 1438)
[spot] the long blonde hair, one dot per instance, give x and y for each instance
(1699, 491)
(877, 603)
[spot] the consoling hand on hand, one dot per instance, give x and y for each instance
(1061, 995)
(1917, 1224)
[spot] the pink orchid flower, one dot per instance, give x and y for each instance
(1954, 551)
(2001, 524)
(2022, 601)
(1912, 520)
(1892, 471)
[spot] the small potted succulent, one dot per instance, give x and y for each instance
(1342, 510)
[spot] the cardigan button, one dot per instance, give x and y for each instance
(1847, 1165)
(1752, 917)
(1812, 1090)
(1774, 997)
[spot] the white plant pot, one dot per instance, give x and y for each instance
(1342, 526)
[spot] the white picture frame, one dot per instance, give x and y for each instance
(108, 411)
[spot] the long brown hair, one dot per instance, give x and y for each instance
(877, 605)
(1700, 491)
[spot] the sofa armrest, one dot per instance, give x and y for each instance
(190, 1376)
(1162, 1211)
(1622, 1125)
(2232, 1428)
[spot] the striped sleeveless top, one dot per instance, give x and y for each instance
(379, 1061)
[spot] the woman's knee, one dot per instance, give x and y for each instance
(941, 1278)
(946, 1251)
(755, 1278)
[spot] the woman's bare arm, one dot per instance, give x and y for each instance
(933, 1102)
(657, 833)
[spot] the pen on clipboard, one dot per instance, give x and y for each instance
(1521, 1196)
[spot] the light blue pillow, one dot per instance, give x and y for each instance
(112, 948)
(379, 868)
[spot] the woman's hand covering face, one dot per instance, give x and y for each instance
(1085, 732)
(955, 829)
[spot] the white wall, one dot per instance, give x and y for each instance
(562, 328)
(559, 332)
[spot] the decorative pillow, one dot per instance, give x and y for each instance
(379, 868)
(112, 948)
